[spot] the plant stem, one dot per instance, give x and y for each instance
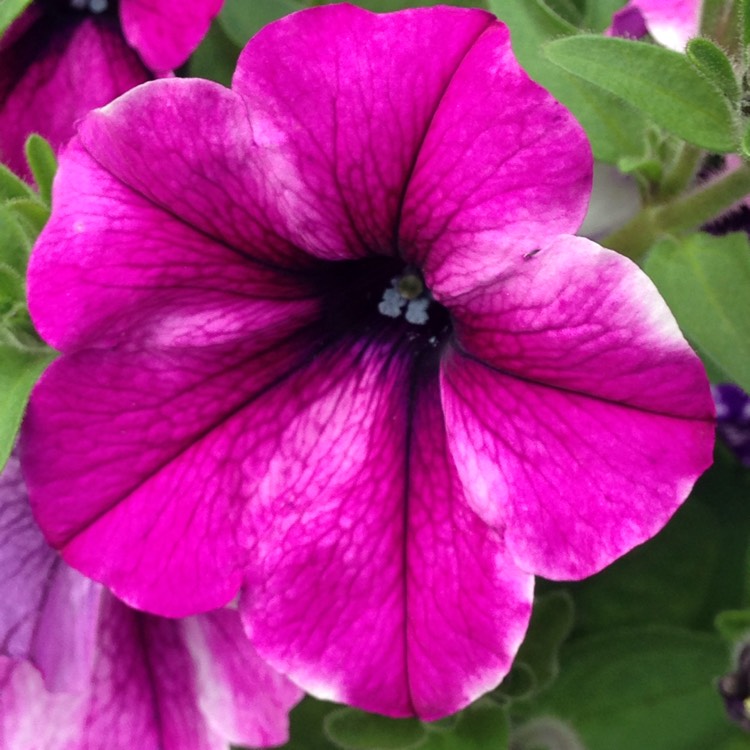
(681, 171)
(685, 214)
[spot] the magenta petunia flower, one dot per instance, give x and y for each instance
(671, 22)
(107, 676)
(62, 58)
(326, 337)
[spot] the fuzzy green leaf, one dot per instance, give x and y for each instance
(240, 19)
(643, 688)
(351, 729)
(10, 10)
(733, 625)
(19, 370)
(551, 623)
(17, 240)
(705, 281)
(659, 82)
(12, 186)
(614, 128)
(43, 164)
(215, 58)
(709, 59)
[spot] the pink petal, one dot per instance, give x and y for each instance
(354, 115)
(196, 149)
(148, 690)
(52, 75)
(33, 719)
(165, 32)
(162, 437)
(671, 22)
(503, 169)
(582, 431)
(242, 698)
(583, 318)
(187, 332)
(142, 694)
(49, 611)
(112, 267)
(372, 582)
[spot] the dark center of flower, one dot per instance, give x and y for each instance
(80, 7)
(383, 298)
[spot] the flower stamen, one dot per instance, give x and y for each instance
(409, 295)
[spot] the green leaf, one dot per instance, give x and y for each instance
(710, 60)
(659, 82)
(725, 491)
(30, 214)
(614, 128)
(241, 19)
(306, 725)
(745, 144)
(519, 684)
(10, 10)
(215, 58)
(12, 186)
(356, 730)
(598, 15)
(12, 287)
(642, 688)
(388, 6)
(19, 370)
(545, 732)
(482, 726)
(551, 623)
(43, 164)
(705, 281)
(16, 242)
(631, 591)
(569, 10)
(733, 625)
(720, 21)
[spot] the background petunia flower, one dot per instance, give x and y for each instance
(62, 58)
(671, 22)
(326, 337)
(102, 675)
(733, 418)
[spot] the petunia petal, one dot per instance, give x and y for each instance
(148, 690)
(49, 611)
(140, 454)
(503, 169)
(53, 74)
(112, 268)
(355, 114)
(33, 719)
(242, 698)
(575, 482)
(583, 318)
(196, 150)
(577, 414)
(671, 22)
(167, 31)
(371, 581)
(467, 603)
(143, 691)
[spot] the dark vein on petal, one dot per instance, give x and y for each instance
(142, 639)
(197, 438)
(572, 391)
(289, 270)
(428, 126)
